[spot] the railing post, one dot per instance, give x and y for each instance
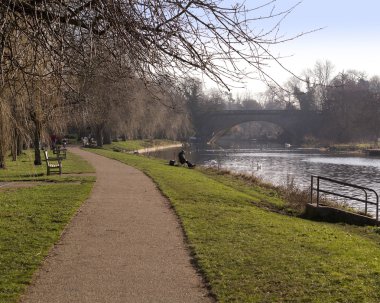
(311, 189)
(317, 191)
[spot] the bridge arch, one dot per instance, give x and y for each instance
(276, 130)
(295, 122)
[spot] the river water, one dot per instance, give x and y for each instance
(283, 166)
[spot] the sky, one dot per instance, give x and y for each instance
(349, 38)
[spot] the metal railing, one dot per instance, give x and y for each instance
(365, 190)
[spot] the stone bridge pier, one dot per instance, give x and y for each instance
(295, 123)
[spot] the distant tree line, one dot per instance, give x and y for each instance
(349, 102)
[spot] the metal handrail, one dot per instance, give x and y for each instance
(365, 189)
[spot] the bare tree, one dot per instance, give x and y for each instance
(321, 77)
(160, 38)
(278, 98)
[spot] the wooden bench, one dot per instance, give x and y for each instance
(53, 166)
(60, 152)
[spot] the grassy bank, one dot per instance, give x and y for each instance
(33, 216)
(353, 147)
(248, 253)
(132, 145)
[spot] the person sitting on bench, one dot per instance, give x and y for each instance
(182, 159)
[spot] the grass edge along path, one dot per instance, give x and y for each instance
(33, 219)
(248, 254)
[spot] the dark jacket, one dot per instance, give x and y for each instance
(181, 157)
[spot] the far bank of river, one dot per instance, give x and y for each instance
(281, 166)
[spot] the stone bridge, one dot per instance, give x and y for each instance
(295, 123)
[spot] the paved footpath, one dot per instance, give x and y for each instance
(124, 245)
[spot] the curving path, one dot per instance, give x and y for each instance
(124, 245)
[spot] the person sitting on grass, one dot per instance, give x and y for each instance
(182, 159)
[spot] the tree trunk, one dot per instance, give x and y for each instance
(20, 144)
(3, 142)
(2, 155)
(107, 137)
(99, 136)
(36, 142)
(14, 144)
(2, 161)
(14, 150)
(25, 145)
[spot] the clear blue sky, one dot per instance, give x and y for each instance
(350, 37)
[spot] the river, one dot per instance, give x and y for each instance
(281, 166)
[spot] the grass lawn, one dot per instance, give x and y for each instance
(250, 254)
(132, 145)
(23, 169)
(33, 218)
